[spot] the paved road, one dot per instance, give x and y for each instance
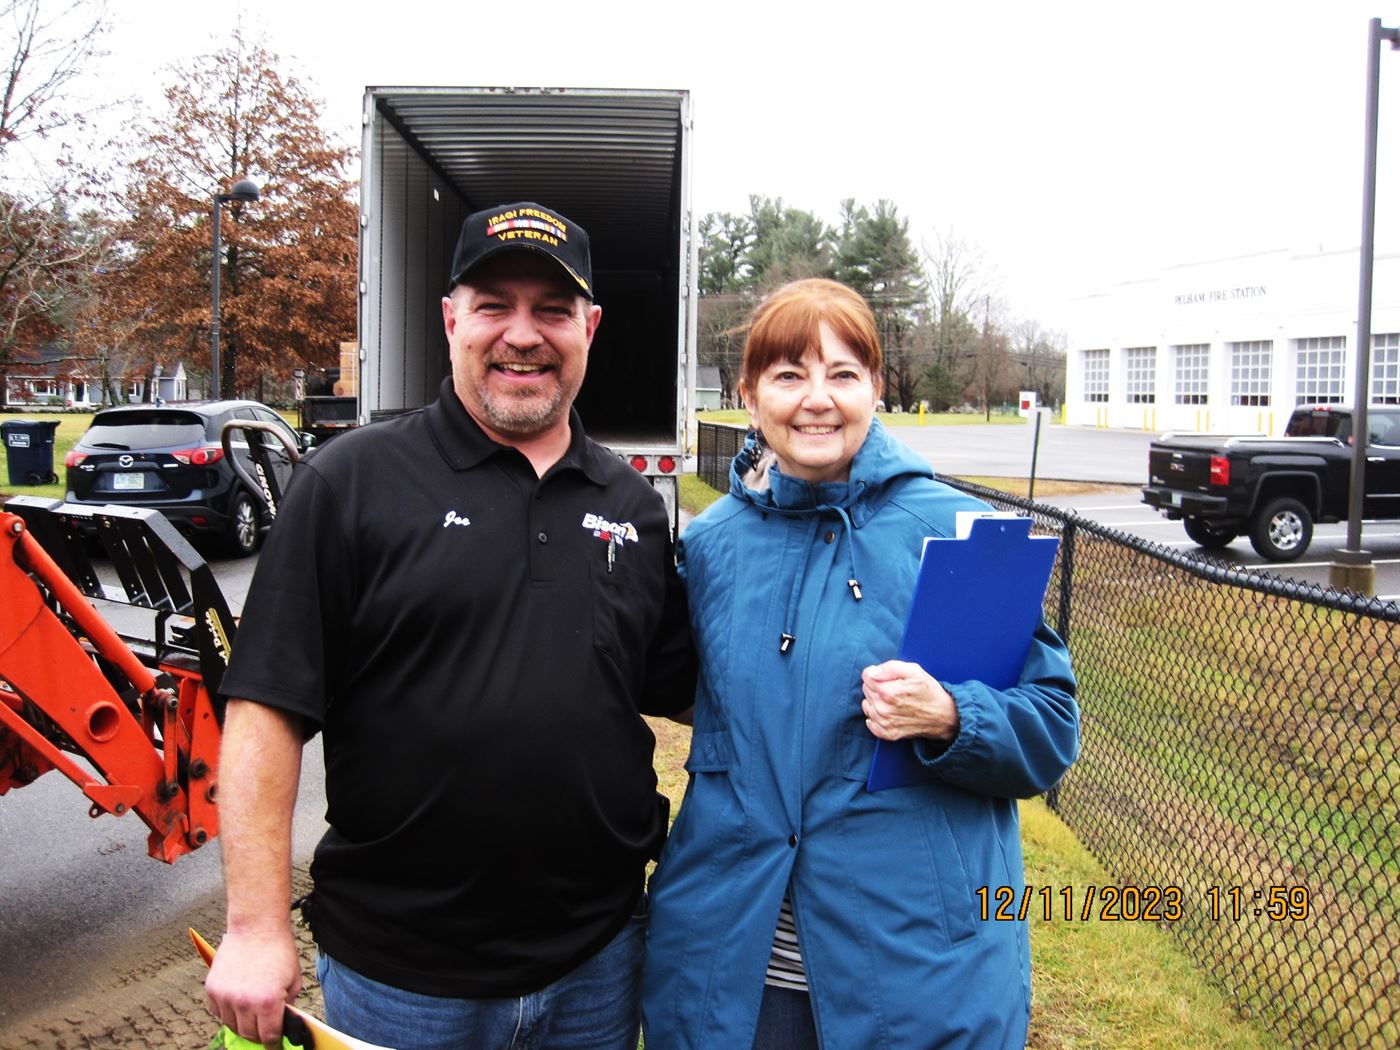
(1084, 454)
(1120, 457)
(1004, 451)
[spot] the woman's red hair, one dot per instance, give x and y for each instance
(788, 323)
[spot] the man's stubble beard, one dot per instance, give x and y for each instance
(526, 414)
(522, 416)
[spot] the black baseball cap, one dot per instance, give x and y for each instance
(525, 226)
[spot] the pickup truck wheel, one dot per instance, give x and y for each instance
(1209, 534)
(1281, 530)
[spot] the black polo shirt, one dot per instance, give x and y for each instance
(476, 645)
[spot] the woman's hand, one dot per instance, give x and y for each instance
(903, 700)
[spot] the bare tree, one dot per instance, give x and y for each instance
(722, 328)
(958, 308)
(51, 45)
(993, 371)
(45, 250)
(955, 269)
(1041, 355)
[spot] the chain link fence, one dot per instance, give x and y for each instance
(715, 445)
(1238, 770)
(1237, 774)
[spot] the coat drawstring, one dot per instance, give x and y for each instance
(854, 582)
(788, 639)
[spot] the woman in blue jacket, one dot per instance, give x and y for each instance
(792, 907)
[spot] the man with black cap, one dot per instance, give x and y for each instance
(474, 603)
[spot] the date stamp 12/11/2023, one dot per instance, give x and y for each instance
(1141, 903)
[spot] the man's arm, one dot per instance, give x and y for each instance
(669, 683)
(256, 970)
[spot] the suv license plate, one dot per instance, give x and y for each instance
(1174, 498)
(129, 482)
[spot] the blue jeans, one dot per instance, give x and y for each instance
(596, 1007)
(785, 1021)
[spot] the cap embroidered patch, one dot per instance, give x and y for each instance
(512, 224)
(523, 226)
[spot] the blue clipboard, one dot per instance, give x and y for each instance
(977, 604)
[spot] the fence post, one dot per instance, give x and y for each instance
(1066, 576)
(1067, 535)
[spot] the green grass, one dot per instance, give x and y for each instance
(71, 426)
(1112, 984)
(1233, 738)
(1046, 487)
(695, 494)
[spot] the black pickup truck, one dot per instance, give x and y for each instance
(1274, 489)
(322, 413)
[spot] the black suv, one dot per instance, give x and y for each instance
(170, 458)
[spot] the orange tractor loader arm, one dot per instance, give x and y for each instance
(71, 686)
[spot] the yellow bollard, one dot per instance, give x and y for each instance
(921, 413)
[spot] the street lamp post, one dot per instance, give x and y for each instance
(1353, 569)
(245, 190)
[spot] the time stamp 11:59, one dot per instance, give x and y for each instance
(1140, 903)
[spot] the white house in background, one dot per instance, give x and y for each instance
(1231, 346)
(59, 377)
(707, 388)
(55, 376)
(169, 384)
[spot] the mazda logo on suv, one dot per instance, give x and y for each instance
(126, 461)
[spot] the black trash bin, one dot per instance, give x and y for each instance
(29, 450)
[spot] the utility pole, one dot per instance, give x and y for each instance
(1353, 569)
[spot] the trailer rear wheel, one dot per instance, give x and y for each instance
(1281, 529)
(1208, 533)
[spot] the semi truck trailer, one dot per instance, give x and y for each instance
(617, 162)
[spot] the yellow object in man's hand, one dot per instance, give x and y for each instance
(228, 1039)
(311, 1033)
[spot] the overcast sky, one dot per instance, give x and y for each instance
(1078, 144)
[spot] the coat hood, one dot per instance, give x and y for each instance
(880, 461)
(880, 464)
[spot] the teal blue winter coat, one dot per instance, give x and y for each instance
(884, 884)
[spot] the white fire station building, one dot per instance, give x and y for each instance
(1231, 346)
